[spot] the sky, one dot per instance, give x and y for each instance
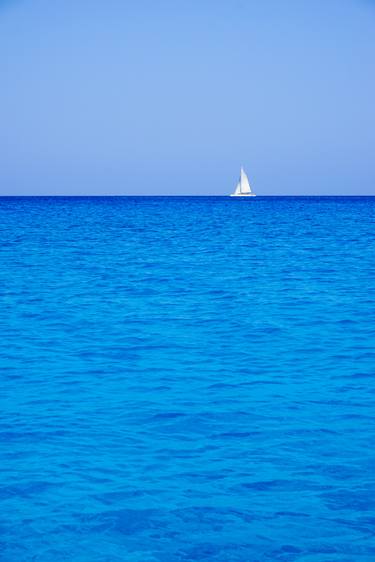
(171, 97)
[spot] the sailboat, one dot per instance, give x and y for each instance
(243, 188)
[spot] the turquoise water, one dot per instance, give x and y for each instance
(187, 379)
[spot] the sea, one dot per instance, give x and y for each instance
(187, 379)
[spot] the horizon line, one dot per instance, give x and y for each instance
(182, 195)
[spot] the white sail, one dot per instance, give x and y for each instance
(243, 188)
(244, 182)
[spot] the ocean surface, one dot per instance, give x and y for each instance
(186, 379)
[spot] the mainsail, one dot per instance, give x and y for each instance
(244, 183)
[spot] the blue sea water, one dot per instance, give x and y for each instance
(187, 379)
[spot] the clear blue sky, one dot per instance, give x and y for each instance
(172, 96)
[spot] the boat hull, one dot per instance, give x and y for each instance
(242, 195)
